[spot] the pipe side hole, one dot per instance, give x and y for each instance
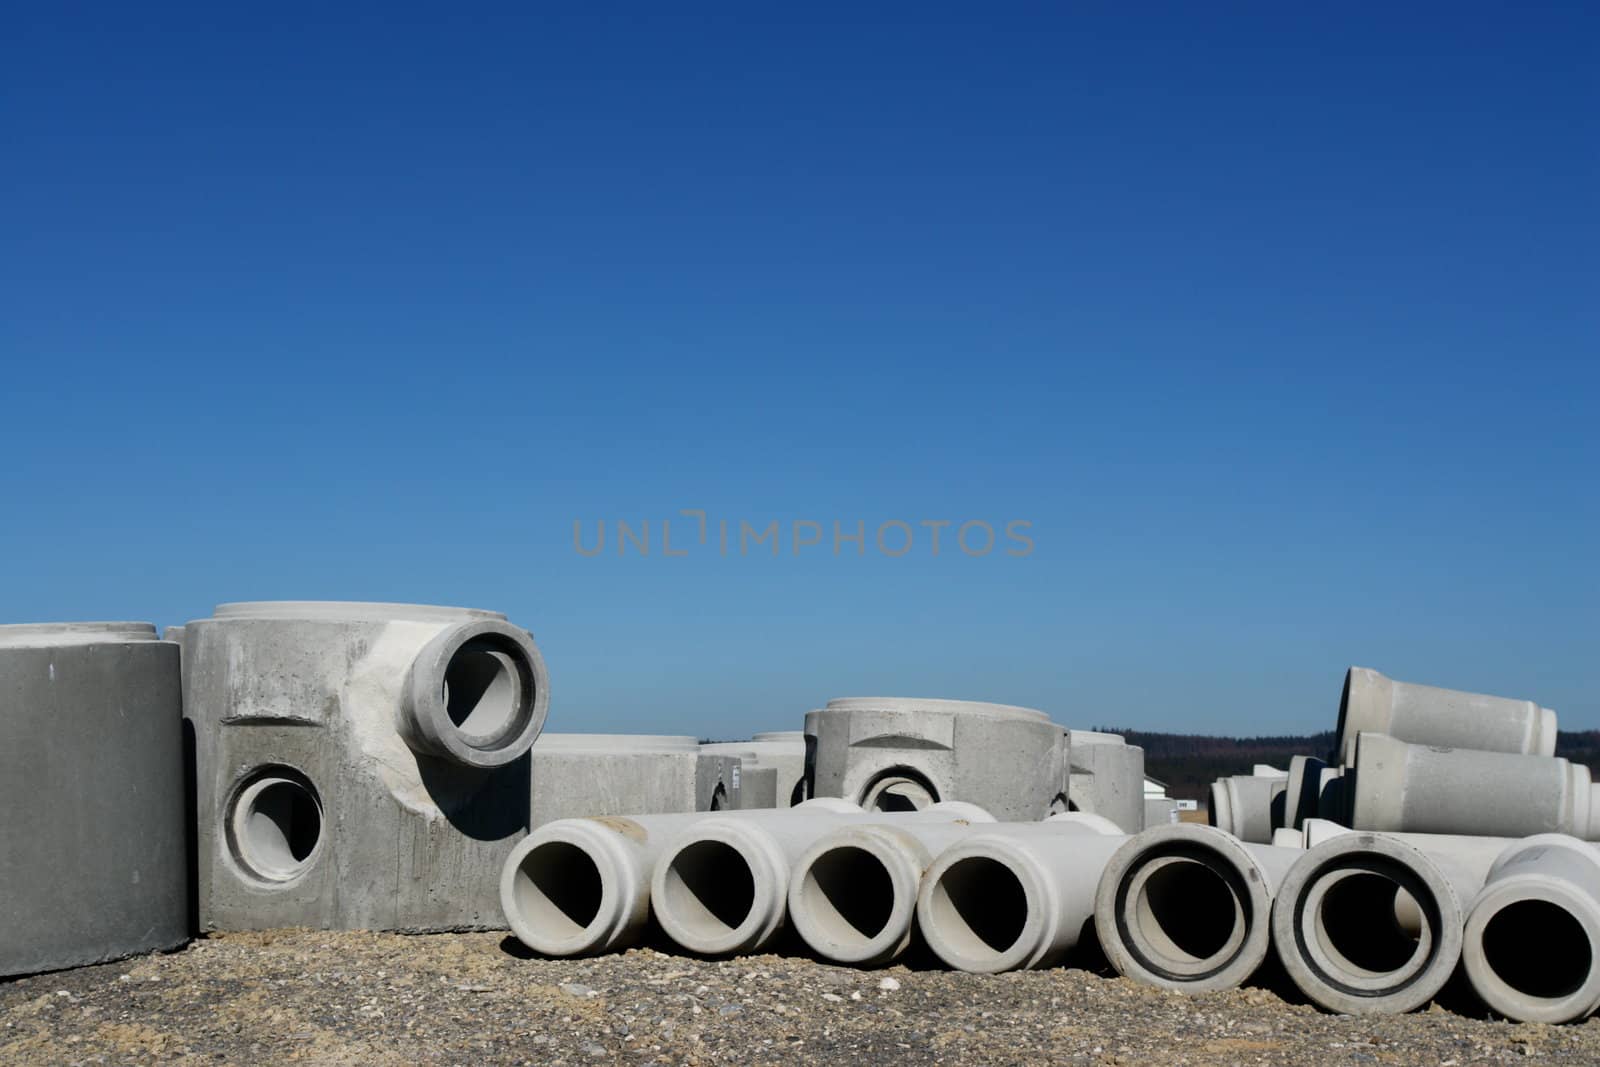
(979, 907)
(709, 889)
(850, 894)
(1538, 949)
(275, 825)
(558, 889)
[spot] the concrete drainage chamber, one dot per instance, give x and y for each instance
(359, 766)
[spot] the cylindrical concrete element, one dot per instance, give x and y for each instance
(1423, 789)
(92, 831)
(1339, 925)
(1312, 790)
(358, 766)
(853, 894)
(1014, 897)
(1106, 778)
(1424, 715)
(1248, 807)
(902, 753)
(1189, 907)
(578, 887)
(1531, 946)
(722, 887)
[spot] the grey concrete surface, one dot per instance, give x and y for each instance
(1249, 807)
(92, 829)
(783, 751)
(1425, 715)
(1106, 778)
(1395, 786)
(1189, 907)
(579, 775)
(899, 753)
(359, 766)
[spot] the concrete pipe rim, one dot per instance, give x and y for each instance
(1408, 869)
(1155, 872)
(1363, 706)
(273, 824)
(563, 888)
(856, 854)
(1327, 948)
(479, 694)
(721, 888)
(967, 888)
(1539, 902)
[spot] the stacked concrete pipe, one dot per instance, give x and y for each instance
(1532, 940)
(1014, 897)
(1395, 786)
(92, 853)
(901, 753)
(1369, 924)
(1425, 715)
(853, 894)
(1189, 907)
(359, 766)
(580, 887)
(577, 775)
(1249, 807)
(722, 886)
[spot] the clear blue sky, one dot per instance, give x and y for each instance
(1279, 326)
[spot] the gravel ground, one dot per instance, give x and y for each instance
(474, 999)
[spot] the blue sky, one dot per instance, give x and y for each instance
(1278, 326)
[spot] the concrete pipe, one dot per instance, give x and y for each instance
(1532, 940)
(1189, 907)
(1106, 777)
(1423, 789)
(785, 753)
(1424, 715)
(358, 766)
(722, 887)
(1338, 925)
(1013, 897)
(900, 754)
(92, 851)
(579, 887)
(853, 894)
(1247, 806)
(576, 776)
(1312, 790)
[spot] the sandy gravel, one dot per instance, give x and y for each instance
(474, 999)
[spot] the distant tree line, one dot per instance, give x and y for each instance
(1189, 763)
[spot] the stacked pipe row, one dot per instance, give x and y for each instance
(1441, 831)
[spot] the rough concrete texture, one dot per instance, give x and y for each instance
(92, 851)
(388, 1000)
(1106, 778)
(1531, 946)
(1014, 896)
(359, 766)
(1424, 715)
(1189, 907)
(899, 753)
(580, 775)
(782, 750)
(1249, 807)
(1339, 924)
(1395, 786)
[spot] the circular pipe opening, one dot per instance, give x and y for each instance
(481, 690)
(979, 908)
(899, 790)
(557, 890)
(274, 824)
(850, 895)
(1187, 913)
(708, 890)
(1539, 949)
(1358, 927)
